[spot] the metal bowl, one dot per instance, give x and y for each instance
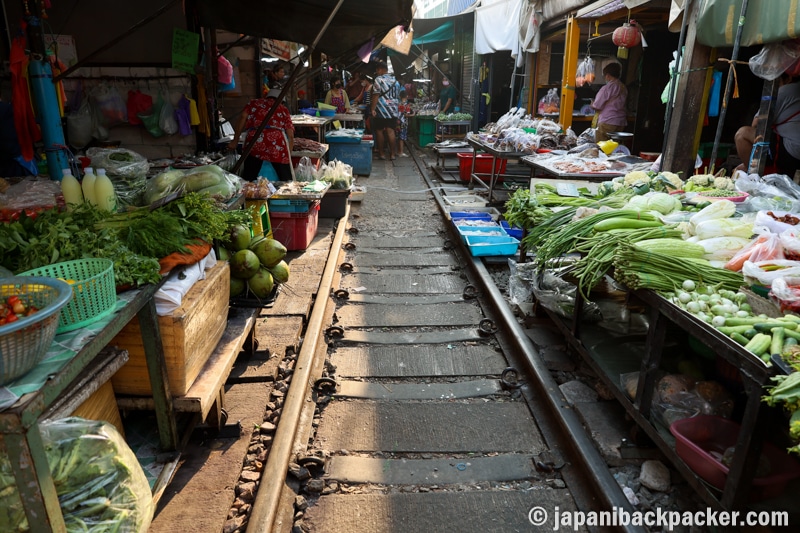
(620, 135)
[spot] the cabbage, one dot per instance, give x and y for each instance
(724, 227)
(661, 202)
(638, 203)
(718, 209)
(722, 248)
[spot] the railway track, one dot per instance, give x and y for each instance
(417, 402)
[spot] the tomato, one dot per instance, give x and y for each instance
(11, 318)
(18, 308)
(13, 299)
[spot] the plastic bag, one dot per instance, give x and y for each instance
(549, 103)
(151, 120)
(773, 60)
(305, 170)
(338, 174)
(765, 247)
(558, 295)
(224, 70)
(126, 169)
(138, 103)
(97, 478)
(790, 244)
(80, 125)
(785, 295)
(775, 222)
(109, 106)
(521, 276)
(770, 185)
(765, 272)
(182, 116)
(166, 117)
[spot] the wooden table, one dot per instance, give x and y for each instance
(19, 424)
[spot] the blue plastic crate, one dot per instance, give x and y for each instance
(475, 231)
(358, 156)
(288, 206)
(481, 246)
(515, 232)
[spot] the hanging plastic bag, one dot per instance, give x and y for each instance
(166, 120)
(224, 70)
(305, 170)
(549, 103)
(110, 107)
(80, 125)
(588, 70)
(182, 116)
(152, 119)
(580, 75)
(773, 60)
(138, 103)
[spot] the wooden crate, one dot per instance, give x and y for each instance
(102, 405)
(189, 336)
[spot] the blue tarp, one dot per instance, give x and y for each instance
(445, 32)
(459, 6)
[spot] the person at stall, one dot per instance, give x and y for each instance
(610, 103)
(275, 142)
(784, 145)
(355, 87)
(302, 102)
(404, 111)
(383, 108)
(275, 77)
(338, 97)
(447, 97)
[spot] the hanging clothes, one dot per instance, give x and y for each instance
(28, 131)
(202, 107)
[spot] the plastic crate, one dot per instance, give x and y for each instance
(289, 206)
(295, 230)
(481, 213)
(425, 139)
(334, 203)
(260, 225)
(358, 156)
(488, 245)
(697, 438)
(476, 231)
(483, 165)
(515, 232)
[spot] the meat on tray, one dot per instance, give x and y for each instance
(307, 145)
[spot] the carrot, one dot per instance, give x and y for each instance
(737, 262)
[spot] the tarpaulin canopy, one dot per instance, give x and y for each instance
(300, 21)
(766, 21)
(456, 7)
(445, 32)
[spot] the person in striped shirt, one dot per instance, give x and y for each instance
(383, 109)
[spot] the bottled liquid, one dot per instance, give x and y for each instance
(88, 186)
(104, 192)
(71, 189)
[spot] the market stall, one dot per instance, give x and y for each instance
(680, 296)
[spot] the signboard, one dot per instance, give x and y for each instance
(64, 46)
(184, 49)
(280, 49)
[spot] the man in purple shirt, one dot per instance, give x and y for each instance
(610, 102)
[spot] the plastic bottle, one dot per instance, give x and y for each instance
(88, 186)
(104, 192)
(71, 188)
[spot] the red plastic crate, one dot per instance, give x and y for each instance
(295, 230)
(698, 437)
(483, 165)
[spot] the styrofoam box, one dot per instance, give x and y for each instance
(472, 212)
(465, 200)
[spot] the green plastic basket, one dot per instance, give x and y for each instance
(25, 342)
(93, 286)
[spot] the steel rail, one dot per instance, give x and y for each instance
(584, 450)
(265, 506)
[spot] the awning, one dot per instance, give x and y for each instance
(766, 21)
(445, 32)
(300, 21)
(456, 7)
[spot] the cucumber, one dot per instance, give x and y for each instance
(750, 333)
(759, 344)
(776, 346)
(727, 330)
(792, 334)
(791, 318)
(789, 341)
(733, 321)
(766, 327)
(741, 339)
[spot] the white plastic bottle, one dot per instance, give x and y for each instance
(88, 186)
(104, 192)
(71, 189)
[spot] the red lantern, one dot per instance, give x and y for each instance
(626, 36)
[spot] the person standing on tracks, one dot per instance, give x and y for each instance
(384, 112)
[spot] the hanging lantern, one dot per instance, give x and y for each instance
(626, 36)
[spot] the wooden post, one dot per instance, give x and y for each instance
(691, 100)
(571, 43)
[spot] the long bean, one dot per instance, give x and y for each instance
(598, 250)
(639, 269)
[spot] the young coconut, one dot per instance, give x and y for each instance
(269, 251)
(280, 272)
(261, 284)
(244, 264)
